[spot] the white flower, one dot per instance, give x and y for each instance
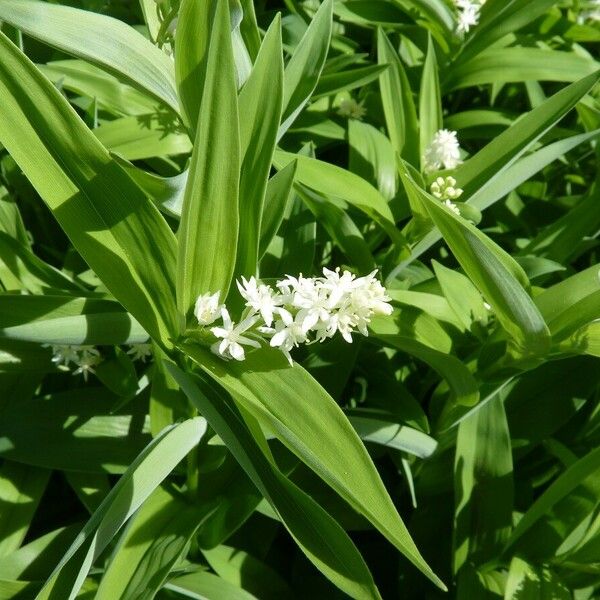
(442, 152)
(87, 361)
(449, 204)
(63, 354)
(445, 188)
(287, 333)
(140, 351)
(351, 109)
(261, 298)
(232, 338)
(207, 309)
(468, 14)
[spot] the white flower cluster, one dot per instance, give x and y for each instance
(297, 310)
(469, 12)
(351, 109)
(442, 152)
(86, 357)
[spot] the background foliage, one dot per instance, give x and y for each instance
(153, 152)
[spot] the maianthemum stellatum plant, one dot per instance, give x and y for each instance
(299, 299)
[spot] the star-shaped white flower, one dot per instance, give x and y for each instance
(232, 337)
(442, 152)
(261, 298)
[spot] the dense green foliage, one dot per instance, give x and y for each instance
(156, 152)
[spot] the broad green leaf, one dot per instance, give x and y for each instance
(320, 537)
(571, 303)
(502, 18)
(372, 157)
(144, 136)
(107, 217)
(519, 64)
(73, 430)
(246, 571)
(99, 39)
(21, 489)
(461, 382)
(334, 83)
(430, 101)
(208, 231)
(497, 276)
(380, 429)
(277, 196)
(462, 296)
(142, 477)
(483, 476)
(331, 180)
(88, 80)
(306, 419)
(91, 488)
(192, 40)
(580, 483)
(33, 273)
(341, 229)
(398, 104)
(260, 105)
(149, 548)
(304, 68)
(203, 585)
(508, 147)
(36, 559)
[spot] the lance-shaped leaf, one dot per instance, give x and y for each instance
(209, 226)
(144, 475)
(398, 104)
(260, 106)
(430, 100)
(319, 536)
(304, 68)
(102, 40)
(497, 276)
(118, 232)
(307, 420)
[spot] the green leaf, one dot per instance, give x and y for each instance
(33, 273)
(372, 157)
(504, 150)
(110, 222)
(528, 582)
(73, 430)
(430, 101)
(520, 64)
(307, 420)
(277, 197)
(21, 489)
(192, 40)
(144, 475)
(88, 80)
(331, 180)
(139, 137)
(483, 486)
(208, 231)
(398, 104)
(304, 67)
(99, 39)
(320, 537)
(497, 276)
(154, 541)
(334, 83)
(206, 586)
(461, 382)
(260, 111)
(579, 480)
